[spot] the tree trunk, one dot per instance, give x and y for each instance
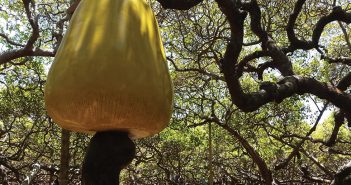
(210, 170)
(65, 157)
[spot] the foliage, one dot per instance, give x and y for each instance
(262, 131)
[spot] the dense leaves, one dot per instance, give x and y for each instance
(262, 93)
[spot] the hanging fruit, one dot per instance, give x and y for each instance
(110, 71)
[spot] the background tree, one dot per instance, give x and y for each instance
(264, 74)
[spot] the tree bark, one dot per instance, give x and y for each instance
(65, 157)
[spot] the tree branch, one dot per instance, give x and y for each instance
(291, 23)
(281, 61)
(339, 121)
(338, 14)
(28, 49)
(179, 4)
(299, 145)
(307, 175)
(346, 35)
(288, 87)
(340, 60)
(235, 19)
(265, 172)
(10, 41)
(345, 83)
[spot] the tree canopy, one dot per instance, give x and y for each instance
(262, 94)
